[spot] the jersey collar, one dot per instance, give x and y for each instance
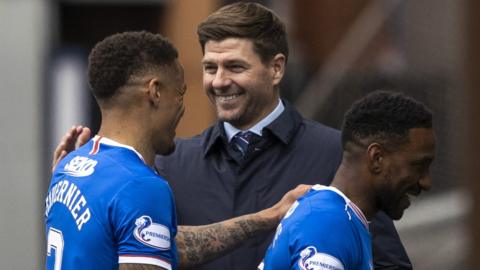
(97, 140)
(348, 202)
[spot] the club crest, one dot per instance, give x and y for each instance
(151, 234)
(313, 260)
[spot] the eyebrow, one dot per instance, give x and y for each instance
(227, 62)
(205, 62)
(424, 160)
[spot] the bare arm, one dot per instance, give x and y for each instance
(74, 138)
(134, 266)
(201, 244)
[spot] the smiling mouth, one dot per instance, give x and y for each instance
(226, 98)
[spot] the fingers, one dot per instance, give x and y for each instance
(302, 189)
(58, 154)
(83, 136)
(298, 191)
(57, 157)
(75, 137)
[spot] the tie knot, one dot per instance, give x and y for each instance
(242, 139)
(246, 135)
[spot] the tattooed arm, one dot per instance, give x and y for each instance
(201, 244)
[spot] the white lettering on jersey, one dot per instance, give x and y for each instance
(80, 166)
(62, 192)
(277, 234)
(151, 234)
(291, 210)
(313, 260)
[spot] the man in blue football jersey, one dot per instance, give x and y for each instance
(388, 145)
(106, 208)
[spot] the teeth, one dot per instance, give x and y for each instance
(226, 98)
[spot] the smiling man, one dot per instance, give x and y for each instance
(106, 206)
(260, 147)
(388, 145)
(242, 88)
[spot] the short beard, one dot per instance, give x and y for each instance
(167, 151)
(386, 200)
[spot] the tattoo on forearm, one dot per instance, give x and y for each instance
(201, 244)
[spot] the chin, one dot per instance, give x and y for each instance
(168, 150)
(229, 115)
(395, 214)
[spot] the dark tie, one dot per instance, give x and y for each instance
(241, 140)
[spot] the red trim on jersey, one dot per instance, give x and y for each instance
(359, 213)
(145, 256)
(96, 146)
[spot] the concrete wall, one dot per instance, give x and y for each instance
(23, 39)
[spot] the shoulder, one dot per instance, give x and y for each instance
(195, 143)
(319, 140)
(146, 186)
(185, 149)
(126, 173)
(323, 233)
(316, 129)
(321, 208)
(319, 218)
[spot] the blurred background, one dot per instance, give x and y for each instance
(340, 50)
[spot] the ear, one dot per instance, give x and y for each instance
(278, 68)
(375, 158)
(153, 91)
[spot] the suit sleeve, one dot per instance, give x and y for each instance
(388, 251)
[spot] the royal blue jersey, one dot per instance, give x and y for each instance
(323, 230)
(105, 206)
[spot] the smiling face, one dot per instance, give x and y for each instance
(407, 172)
(242, 88)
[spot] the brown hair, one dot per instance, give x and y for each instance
(246, 20)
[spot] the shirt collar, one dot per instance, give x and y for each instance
(231, 131)
(107, 141)
(284, 128)
(358, 212)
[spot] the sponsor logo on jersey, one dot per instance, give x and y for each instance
(313, 260)
(152, 234)
(80, 166)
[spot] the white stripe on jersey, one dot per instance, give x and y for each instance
(144, 260)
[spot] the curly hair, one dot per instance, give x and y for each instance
(246, 20)
(118, 57)
(385, 116)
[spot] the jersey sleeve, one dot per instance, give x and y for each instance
(144, 223)
(323, 240)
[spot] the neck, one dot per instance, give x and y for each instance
(125, 128)
(260, 117)
(352, 181)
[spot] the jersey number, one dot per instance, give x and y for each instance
(55, 241)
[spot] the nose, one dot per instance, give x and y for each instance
(221, 79)
(425, 182)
